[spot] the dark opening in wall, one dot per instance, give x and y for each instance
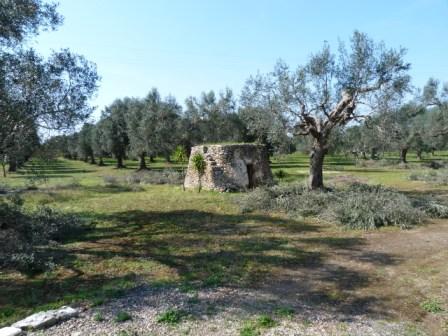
(250, 175)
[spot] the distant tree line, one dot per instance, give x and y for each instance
(145, 128)
(154, 126)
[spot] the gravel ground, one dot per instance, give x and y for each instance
(220, 311)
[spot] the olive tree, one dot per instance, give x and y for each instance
(136, 131)
(330, 91)
(402, 129)
(85, 148)
(214, 118)
(37, 92)
(160, 124)
(99, 142)
(115, 129)
(435, 96)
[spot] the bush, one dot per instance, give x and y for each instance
(359, 206)
(132, 181)
(438, 177)
(293, 199)
(110, 181)
(371, 210)
(434, 164)
(25, 234)
(431, 207)
(362, 163)
(166, 176)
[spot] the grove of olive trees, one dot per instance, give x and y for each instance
(359, 100)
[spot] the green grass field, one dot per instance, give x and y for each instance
(164, 236)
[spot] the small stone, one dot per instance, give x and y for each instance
(45, 319)
(10, 331)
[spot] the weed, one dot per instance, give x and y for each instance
(98, 317)
(432, 306)
(98, 301)
(285, 311)
(187, 287)
(412, 330)
(265, 321)
(6, 312)
(280, 174)
(307, 323)
(213, 280)
(122, 316)
(171, 316)
(249, 329)
(252, 328)
(127, 333)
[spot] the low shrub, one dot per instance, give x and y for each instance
(434, 164)
(363, 163)
(26, 233)
(370, 210)
(111, 181)
(439, 176)
(358, 206)
(431, 207)
(165, 176)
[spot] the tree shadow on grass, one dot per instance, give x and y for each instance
(289, 261)
(249, 251)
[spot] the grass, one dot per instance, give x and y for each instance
(163, 236)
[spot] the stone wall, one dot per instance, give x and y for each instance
(230, 167)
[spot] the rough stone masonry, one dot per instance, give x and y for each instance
(230, 167)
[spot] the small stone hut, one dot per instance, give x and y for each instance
(230, 167)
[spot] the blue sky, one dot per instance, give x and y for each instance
(184, 47)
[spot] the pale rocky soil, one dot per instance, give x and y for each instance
(221, 311)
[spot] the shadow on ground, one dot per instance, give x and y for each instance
(291, 262)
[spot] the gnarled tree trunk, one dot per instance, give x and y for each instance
(373, 153)
(403, 154)
(316, 179)
(12, 165)
(142, 162)
(120, 162)
(419, 154)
